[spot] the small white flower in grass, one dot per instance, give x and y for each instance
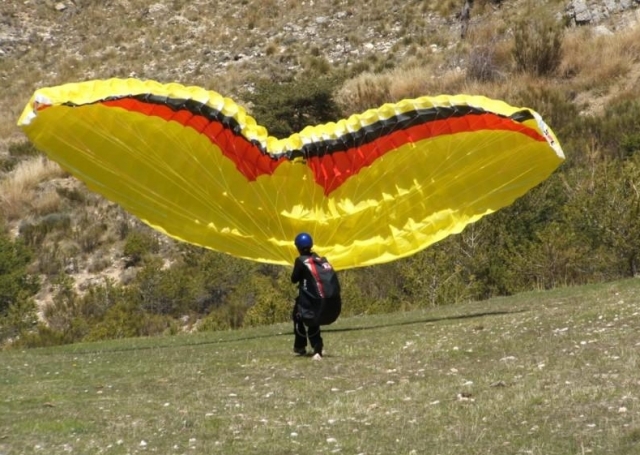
(143, 443)
(622, 409)
(335, 389)
(294, 434)
(332, 440)
(166, 405)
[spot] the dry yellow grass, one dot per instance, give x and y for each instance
(17, 189)
(363, 92)
(46, 202)
(593, 60)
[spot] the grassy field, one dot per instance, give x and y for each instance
(539, 373)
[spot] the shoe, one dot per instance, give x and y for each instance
(300, 351)
(317, 356)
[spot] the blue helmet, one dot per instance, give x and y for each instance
(303, 241)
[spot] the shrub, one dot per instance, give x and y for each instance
(286, 108)
(34, 232)
(20, 318)
(90, 237)
(482, 65)
(126, 320)
(607, 213)
(272, 303)
(51, 260)
(16, 285)
(21, 149)
(72, 194)
(171, 291)
(7, 164)
(138, 245)
(618, 130)
(538, 43)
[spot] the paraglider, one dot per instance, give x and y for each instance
(370, 188)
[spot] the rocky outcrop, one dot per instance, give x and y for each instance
(584, 12)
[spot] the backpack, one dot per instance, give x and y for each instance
(323, 303)
(327, 285)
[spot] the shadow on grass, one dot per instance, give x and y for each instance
(324, 330)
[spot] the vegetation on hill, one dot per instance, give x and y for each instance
(103, 275)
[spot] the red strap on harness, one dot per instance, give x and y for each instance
(311, 264)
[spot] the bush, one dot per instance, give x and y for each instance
(618, 130)
(126, 320)
(90, 237)
(21, 317)
(482, 65)
(20, 149)
(630, 144)
(138, 245)
(286, 108)
(172, 291)
(538, 43)
(8, 164)
(605, 211)
(270, 306)
(34, 232)
(16, 285)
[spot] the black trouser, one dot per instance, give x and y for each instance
(302, 332)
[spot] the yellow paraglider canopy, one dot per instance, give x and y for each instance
(371, 188)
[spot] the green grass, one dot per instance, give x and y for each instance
(538, 373)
